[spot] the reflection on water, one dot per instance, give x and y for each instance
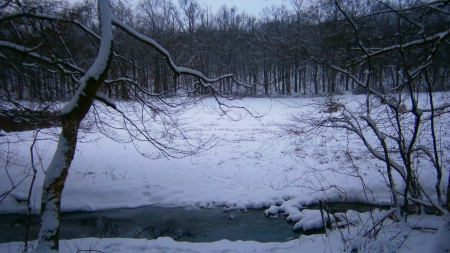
(181, 224)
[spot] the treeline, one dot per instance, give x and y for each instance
(284, 51)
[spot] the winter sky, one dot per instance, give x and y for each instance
(253, 7)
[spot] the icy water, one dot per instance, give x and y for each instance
(182, 224)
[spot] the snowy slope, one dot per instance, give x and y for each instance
(252, 165)
(248, 168)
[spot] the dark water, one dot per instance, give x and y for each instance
(342, 207)
(182, 224)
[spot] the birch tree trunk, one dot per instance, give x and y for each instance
(72, 115)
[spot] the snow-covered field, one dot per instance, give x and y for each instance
(250, 166)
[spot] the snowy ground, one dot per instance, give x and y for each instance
(249, 167)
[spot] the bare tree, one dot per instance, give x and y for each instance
(398, 120)
(50, 49)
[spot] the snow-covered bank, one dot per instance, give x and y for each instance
(398, 237)
(249, 167)
(253, 164)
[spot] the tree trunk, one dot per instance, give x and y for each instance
(72, 115)
(266, 81)
(56, 174)
(295, 72)
(447, 203)
(316, 83)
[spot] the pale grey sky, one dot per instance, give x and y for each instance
(253, 7)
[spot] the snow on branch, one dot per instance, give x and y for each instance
(37, 15)
(373, 125)
(29, 52)
(101, 63)
(116, 22)
(383, 97)
(363, 85)
(346, 123)
(432, 202)
(178, 70)
(436, 37)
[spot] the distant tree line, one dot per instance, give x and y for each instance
(282, 52)
(93, 53)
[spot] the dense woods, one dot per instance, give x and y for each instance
(392, 51)
(284, 51)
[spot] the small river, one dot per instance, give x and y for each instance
(182, 224)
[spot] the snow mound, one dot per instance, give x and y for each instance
(424, 221)
(363, 244)
(291, 207)
(236, 206)
(312, 220)
(349, 218)
(442, 242)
